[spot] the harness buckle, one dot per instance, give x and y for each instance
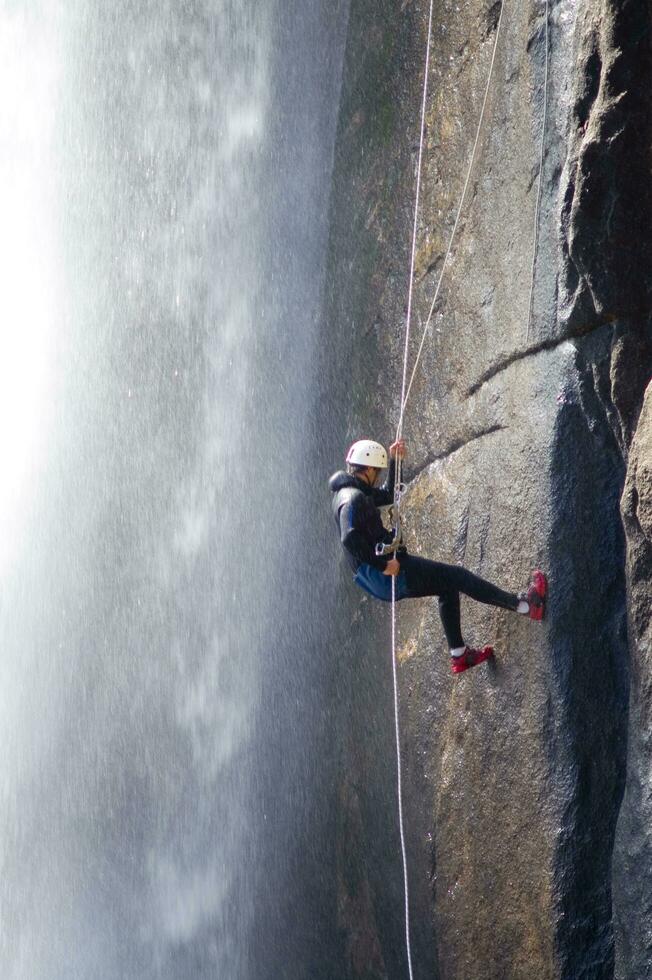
(390, 547)
(384, 548)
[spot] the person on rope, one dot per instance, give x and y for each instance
(357, 496)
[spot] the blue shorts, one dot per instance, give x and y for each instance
(378, 585)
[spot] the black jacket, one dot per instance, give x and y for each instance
(355, 508)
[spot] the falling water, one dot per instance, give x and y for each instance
(165, 173)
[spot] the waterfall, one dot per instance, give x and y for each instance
(161, 676)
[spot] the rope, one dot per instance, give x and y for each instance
(406, 394)
(406, 386)
(535, 249)
(408, 315)
(397, 485)
(400, 788)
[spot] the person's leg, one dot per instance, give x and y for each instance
(415, 585)
(430, 578)
(425, 578)
(449, 612)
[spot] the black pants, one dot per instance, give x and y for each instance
(433, 578)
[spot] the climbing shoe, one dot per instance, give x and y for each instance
(470, 658)
(535, 596)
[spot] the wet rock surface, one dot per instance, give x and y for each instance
(521, 442)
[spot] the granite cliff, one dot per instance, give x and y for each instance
(527, 798)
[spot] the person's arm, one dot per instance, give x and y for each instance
(354, 541)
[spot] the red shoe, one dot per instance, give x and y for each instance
(470, 658)
(536, 595)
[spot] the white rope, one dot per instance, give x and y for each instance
(408, 315)
(406, 394)
(406, 386)
(535, 249)
(397, 485)
(400, 788)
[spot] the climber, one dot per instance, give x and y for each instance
(356, 499)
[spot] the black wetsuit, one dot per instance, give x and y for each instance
(355, 507)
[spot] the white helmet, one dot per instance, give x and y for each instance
(365, 452)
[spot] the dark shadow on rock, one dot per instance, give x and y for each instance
(588, 642)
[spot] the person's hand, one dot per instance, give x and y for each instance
(398, 449)
(392, 567)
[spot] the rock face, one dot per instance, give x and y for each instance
(521, 442)
(633, 864)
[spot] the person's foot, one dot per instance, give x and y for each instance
(470, 658)
(535, 596)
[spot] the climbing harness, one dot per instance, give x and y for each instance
(406, 386)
